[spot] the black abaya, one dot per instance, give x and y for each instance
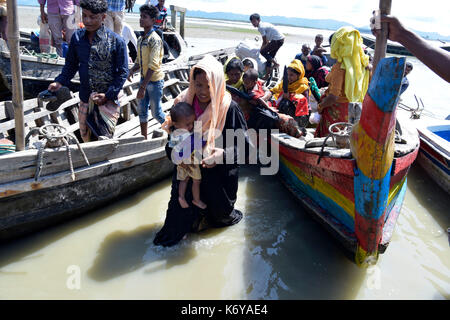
(218, 190)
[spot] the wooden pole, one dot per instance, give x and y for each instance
(16, 71)
(381, 41)
(173, 12)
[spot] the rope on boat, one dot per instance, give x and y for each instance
(54, 135)
(39, 55)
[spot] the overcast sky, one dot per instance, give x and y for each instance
(431, 15)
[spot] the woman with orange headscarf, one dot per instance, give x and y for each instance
(215, 112)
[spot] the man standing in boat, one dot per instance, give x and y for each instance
(272, 41)
(100, 57)
(149, 61)
(60, 16)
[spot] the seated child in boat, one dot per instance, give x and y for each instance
(298, 91)
(181, 139)
(258, 93)
(319, 50)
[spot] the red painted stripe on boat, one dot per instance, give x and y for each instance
(426, 147)
(398, 177)
(342, 183)
(343, 166)
(364, 230)
(402, 163)
(376, 123)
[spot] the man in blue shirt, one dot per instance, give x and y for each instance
(100, 57)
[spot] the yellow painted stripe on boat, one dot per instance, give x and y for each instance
(395, 189)
(373, 159)
(322, 186)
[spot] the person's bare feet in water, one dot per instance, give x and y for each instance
(199, 203)
(183, 202)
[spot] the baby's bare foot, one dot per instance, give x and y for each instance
(183, 202)
(199, 203)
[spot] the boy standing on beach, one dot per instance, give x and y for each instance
(272, 41)
(100, 57)
(149, 61)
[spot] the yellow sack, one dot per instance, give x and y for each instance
(346, 48)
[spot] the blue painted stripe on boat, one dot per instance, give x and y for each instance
(439, 164)
(365, 188)
(384, 90)
(321, 200)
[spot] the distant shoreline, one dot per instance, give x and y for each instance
(192, 29)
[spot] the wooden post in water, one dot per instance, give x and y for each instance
(381, 40)
(16, 71)
(173, 14)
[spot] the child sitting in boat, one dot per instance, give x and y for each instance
(319, 50)
(298, 91)
(258, 93)
(181, 139)
(254, 95)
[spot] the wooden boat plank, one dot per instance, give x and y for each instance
(127, 149)
(91, 193)
(340, 165)
(403, 162)
(18, 166)
(97, 169)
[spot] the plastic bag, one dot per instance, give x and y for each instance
(78, 20)
(44, 37)
(251, 49)
(314, 118)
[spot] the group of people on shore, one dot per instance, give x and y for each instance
(218, 98)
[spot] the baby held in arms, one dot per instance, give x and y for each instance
(182, 141)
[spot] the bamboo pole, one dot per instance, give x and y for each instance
(381, 41)
(16, 71)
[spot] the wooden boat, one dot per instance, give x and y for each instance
(356, 190)
(39, 70)
(29, 201)
(434, 152)
(35, 194)
(394, 47)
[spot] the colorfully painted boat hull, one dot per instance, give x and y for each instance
(357, 193)
(326, 191)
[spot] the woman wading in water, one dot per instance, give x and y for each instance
(217, 112)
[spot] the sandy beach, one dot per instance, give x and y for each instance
(197, 28)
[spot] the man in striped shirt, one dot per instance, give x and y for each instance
(114, 17)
